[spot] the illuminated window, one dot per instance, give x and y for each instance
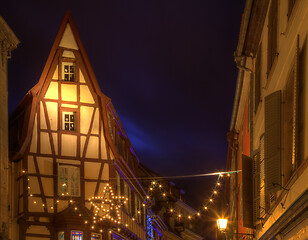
(96, 236)
(61, 235)
(150, 234)
(68, 180)
(69, 121)
(68, 71)
(77, 235)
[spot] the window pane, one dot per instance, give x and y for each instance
(66, 68)
(72, 118)
(67, 126)
(72, 69)
(66, 77)
(72, 127)
(66, 117)
(77, 235)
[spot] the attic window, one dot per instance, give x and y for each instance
(69, 121)
(68, 71)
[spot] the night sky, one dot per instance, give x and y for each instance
(167, 65)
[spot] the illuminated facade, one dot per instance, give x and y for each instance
(8, 42)
(268, 131)
(69, 152)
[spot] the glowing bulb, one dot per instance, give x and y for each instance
(189, 217)
(205, 207)
(160, 186)
(171, 210)
(151, 189)
(164, 194)
(179, 215)
(215, 192)
(198, 214)
(85, 222)
(211, 200)
(218, 184)
(228, 174)
(34, 202)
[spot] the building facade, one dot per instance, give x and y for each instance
(8, 42)
(268, 132)
(75, 172)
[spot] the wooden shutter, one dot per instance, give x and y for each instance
(74, 182)
(256, 187)
(258, 79)
(247, 191)
(272, 142)
(272, 34)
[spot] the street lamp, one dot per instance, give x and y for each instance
(222, 224)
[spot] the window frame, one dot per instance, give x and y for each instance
(61, 72)
(59, 192)
(61, 118)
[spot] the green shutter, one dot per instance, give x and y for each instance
(272, 142)
(247, 191)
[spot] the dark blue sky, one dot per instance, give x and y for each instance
(167, 65)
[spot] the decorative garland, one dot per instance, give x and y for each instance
(106, 207)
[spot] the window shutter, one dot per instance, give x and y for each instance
(258, 79)
(272, 34)
(247, 191)
(256, 188)
(74, 181)
(272, 142)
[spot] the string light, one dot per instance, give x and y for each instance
(107, 206)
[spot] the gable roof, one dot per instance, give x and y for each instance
(67, 37)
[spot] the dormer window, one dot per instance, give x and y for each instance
(69, 121)
(68, 71)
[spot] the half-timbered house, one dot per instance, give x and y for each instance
(74, 167)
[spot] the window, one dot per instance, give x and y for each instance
(96, 236)
(77, 235)
(61, 235)
(68, 71)
(69, 121)
(68, 180)
(150, 234)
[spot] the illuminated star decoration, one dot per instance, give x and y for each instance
(107, 207)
